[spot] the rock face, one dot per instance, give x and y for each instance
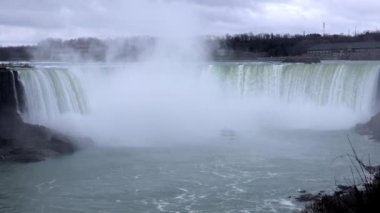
(19, 141)
(371, 128)
(23, 142)
(11, 91)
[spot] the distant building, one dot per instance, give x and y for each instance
(353, 50)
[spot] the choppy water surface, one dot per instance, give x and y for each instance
(231, 174)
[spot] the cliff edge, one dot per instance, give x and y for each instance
(20, 141)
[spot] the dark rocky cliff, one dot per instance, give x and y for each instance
(11, 92)
(19, 141)
(371, 128)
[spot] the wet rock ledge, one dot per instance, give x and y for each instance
(371, 128)
(19, 141)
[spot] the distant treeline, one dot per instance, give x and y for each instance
(87, 49)
(21, 53)
(241, 46)
(270, 45)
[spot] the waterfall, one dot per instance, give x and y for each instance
(333, 95)
(351, 85)
(51, 92)
(15, 91)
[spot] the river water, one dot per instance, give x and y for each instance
(255, 174)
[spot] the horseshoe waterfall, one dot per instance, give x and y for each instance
(192, 137)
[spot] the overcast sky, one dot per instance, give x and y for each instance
(28, 21)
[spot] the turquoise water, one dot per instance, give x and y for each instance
(243, 173)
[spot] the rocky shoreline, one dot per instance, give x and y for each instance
(20, 141)
(354, 198)
(361, 197)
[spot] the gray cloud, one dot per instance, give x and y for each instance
(25, 21)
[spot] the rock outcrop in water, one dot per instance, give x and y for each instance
(19, 141)
(371, 128)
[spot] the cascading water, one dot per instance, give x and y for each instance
(351, 85)
(15, 91)
(51, 92)
(227, 96)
